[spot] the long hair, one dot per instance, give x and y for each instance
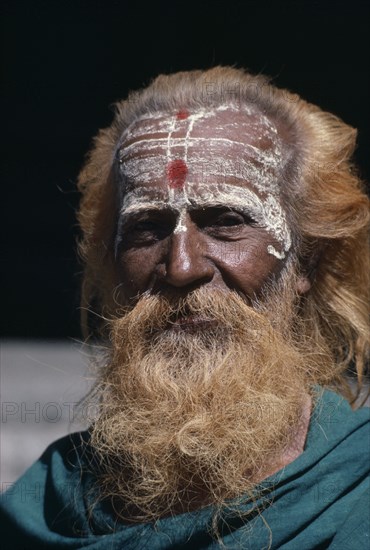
(322, 192)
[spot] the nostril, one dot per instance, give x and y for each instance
(161, 272)
(187, 274)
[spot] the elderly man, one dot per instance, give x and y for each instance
(226, 262)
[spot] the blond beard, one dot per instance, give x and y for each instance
(195, 417)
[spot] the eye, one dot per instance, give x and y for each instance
(150, 229)
(221, 222)
(145, 226)
(145, 231)
(229, 219)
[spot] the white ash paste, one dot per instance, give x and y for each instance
(150, 144)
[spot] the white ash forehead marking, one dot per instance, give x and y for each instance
(162, 119)
(153, 144)
(180, 225)
(187, 147)
(169, 155)
(167, 123)
(267, 212)
(168, 140)
(262, 171)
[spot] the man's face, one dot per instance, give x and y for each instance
(202, 205)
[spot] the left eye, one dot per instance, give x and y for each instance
(228, 220)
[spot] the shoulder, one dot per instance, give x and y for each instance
(47, 500)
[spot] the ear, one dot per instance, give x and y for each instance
(303, 284)
(309, 267)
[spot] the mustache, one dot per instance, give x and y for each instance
(202, 305)
(205, 318)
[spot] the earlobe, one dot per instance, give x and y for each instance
(309, 267)
(303, 285)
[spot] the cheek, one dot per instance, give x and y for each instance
(135, 269)
(247, 265)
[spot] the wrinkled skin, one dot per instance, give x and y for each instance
(213, 244)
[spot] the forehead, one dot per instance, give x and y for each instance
(223, 121)
(226, 156)
(226, 144)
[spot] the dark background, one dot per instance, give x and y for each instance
(65, 63)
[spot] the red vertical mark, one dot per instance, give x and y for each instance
(176, 173)
(182, 114)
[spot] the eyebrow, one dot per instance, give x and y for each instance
(222, 195)
(266, 211)
(146, 207)
(160, 206)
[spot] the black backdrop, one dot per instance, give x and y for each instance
(66, 62)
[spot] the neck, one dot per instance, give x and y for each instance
(296, 447)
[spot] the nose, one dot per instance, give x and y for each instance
(186, 264)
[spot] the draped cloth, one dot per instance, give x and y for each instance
(320, 500)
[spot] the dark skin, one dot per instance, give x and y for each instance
(218, 246)
(219, 249)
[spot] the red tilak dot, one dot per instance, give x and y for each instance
(176, 173)
(182, 114)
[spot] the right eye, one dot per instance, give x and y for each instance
(145, 226)
(145, 232)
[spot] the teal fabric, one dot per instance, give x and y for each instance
(321, 500)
